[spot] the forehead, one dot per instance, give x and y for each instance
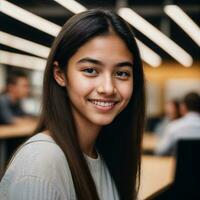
(108, 48)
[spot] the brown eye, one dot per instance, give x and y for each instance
(122, 74)
(90, 71)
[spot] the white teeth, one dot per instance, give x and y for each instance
(102, 103)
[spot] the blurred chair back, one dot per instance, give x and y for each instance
(186, 183)
(187, 176)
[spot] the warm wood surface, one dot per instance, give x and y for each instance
(9, 131)
(156, 173)
(149, 142)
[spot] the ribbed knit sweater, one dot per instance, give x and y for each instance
(40, 171)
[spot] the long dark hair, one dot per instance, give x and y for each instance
(120, 142)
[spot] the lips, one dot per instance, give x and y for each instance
(103, 104)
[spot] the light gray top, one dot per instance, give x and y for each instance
(40, 171)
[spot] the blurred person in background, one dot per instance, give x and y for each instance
(17, 88)
(11, 111)
(171, 112)
(187, 127)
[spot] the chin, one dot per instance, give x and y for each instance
(103, 122)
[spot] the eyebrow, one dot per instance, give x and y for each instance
(98, 62)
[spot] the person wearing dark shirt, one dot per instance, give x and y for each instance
(11, 111)
(17, 88)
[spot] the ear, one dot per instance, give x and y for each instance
(59, 76)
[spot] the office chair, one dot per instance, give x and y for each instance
(186, 185)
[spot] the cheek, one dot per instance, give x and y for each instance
(126, 90)
(80, 86)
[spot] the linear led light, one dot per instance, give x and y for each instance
(184, 21)
(29, 18)
(72, 5)
(24, 45)
(156, 36)
(20, 60)
(148, 55)
(50, 28)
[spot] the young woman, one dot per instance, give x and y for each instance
(88, 142)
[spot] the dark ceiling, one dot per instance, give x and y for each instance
(150, 10)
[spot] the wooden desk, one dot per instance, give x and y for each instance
(9, 131)
(156, 173)
(13, 131)
(149, 142)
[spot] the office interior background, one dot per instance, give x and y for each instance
(170, 52)
(167, 33)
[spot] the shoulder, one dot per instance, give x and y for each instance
(40, 157)
(40, 164)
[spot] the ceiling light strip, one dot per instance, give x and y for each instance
(20, 60)
(156, 36)
(72, 6)
(40, 23)
(24, 45)
(149, 56)
(184, 21)
(29, 18)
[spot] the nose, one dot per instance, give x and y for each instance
(107, 86)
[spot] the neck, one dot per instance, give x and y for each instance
(87, 135)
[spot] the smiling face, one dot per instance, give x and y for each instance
(99, 80)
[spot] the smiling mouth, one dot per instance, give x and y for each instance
(108, 104)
